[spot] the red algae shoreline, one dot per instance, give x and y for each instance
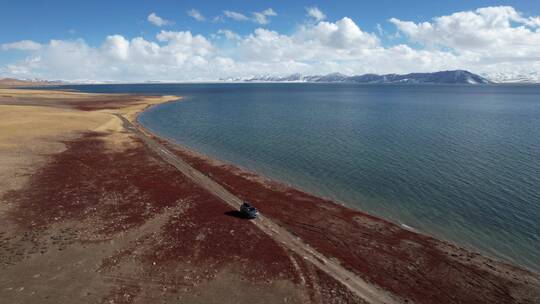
(170, 142)
(411, 264)
(189, 152)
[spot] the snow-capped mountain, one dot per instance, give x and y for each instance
(531, 77)
(447, 77)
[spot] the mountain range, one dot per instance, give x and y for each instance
(442, 77)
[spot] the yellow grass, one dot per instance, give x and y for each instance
(29, 133)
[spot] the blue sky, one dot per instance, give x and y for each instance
(93, 21)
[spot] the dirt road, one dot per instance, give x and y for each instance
(363, 289)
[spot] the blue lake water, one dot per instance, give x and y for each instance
(458, 162)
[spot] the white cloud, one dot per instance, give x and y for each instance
(195, 14)
(157, 20)
(269, 12)
(117, 47)
(266, 45)
(173, 55)
(315, 13)
(262, 17)
(258, 17)
(179, 55)
(23, 45)
(235, 15)
(229, 34)
(490, 32)
(184, 43)
(343, 34)
(493, 39)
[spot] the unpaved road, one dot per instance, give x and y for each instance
(360, 287)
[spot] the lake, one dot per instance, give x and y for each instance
(459, 162)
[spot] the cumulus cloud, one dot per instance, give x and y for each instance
(157, 20)
(493, 31)
(117, 47)
(323, 47)
(486, 40)
(185, 43)
(315, 13)
(195, 14)
(23, 45)
(173, 55)
(490, 39)
(343, 34)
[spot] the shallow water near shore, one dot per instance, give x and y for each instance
(458, 162)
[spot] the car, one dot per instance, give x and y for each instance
(249, 211)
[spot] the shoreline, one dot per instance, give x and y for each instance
(454, 249)
(108, 210)
(268, 179)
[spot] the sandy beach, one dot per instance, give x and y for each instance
(93, 212)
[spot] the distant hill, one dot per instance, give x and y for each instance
(443, 77)
(12, 82)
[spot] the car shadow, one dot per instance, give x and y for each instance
(236, 214)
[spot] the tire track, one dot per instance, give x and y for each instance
(368, 292)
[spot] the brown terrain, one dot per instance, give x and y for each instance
(95, 209)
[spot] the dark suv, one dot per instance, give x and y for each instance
(249, 211)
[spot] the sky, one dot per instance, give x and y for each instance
(133, 41)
